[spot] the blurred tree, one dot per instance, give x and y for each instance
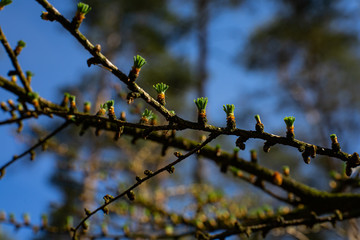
(314, 51)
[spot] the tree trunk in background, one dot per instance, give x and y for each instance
(202, 8)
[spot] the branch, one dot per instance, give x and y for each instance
(21, 93)
(259, 183)
(270, 138)
(14, 61)
(140, 181)
(101, 59)
(289, 185)
(17, 157)
(139, 235)
(283, 221)
(321, 201)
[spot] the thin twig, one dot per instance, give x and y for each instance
(258, 184)
(29, 114)
(106, 62)
(15, 158)
(138, 183)
(14, 61)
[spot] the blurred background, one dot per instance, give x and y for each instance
(274, 58)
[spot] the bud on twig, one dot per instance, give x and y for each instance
(286, 171)
(218, 150)
(26, 219)
(111, 110)
(148, 172)
(29, 76)
(289, 121)
(87, 107)
(146, 116)
(131, 195)
(334, 143)
(153, 120)
(87, 211)
(82, 10)
(4, 107)
(259, 127)
(20, 45)
(32, 155)
(277, 178)
(97, 48)
(253, 156)
(139, 62)
(171, 169)
(65, 100)
(201, 105)
(47, 16)
(123, 116)
(161, 89)
(2, 216)
(107, 198)
(72, 100)
(34, 99)
(236, 152)
(230, 117)
(105, 210)
(102, 110)
(44, 221)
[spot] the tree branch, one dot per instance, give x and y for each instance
(149, 176)
(14, 62)
(17, 157)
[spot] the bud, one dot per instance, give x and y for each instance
(259, 127)
(171, 169)
(87, 211)
(277, 178)
(2, 216)
(44, 221)
(105, 210)
(97, 48)
(131, 195)
(178, 154)
(148, 172)
(306, 157)
(286, 171)
(26, 219)
(334, 143)
(253, 156)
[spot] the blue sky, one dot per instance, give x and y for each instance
(56, 59)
